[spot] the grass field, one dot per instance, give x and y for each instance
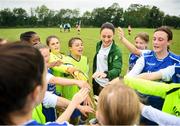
(90, 36)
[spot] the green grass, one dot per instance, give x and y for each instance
(90, 36)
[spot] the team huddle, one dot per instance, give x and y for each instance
(40, 85)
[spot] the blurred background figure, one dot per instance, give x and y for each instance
(61, 27)
(129, 29)
(78, 27)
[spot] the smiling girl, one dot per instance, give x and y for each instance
(80, 62)
(139, 48)
(55, 55)
(160, 57)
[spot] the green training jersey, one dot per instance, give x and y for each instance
(58, 70)
(38, 115)
(82, 65)
(169, 92)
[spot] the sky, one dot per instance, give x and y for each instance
(171, 7)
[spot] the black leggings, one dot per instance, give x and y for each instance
(96, 88)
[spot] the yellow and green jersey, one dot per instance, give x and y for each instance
(81, 65)
(169, 92)
(38, 115)
(58, 70)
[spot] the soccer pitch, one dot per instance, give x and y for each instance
(90, 37)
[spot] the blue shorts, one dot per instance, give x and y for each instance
(75, 114)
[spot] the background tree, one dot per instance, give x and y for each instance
(86, 19)
(155, 17)
(115, 13)
(41, 12)
(20, 16)
(6, 18)
(171, 21)
(136, 15)
(99, 16)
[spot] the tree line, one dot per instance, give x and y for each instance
(136, 15)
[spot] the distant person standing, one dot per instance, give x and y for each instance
(68, 27)
(61, 27)
(65, 27)
(129, 29)
(78, 27)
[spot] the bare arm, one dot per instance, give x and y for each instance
(128, 44)
(150, 76)
(63, 103)
(76, 100)
(158, 116)
(65, 82)
(164, 74)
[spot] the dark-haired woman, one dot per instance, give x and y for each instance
(107, 62)
(30, 37)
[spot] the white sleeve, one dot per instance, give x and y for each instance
(167, 73)
(65, 123)
(144, 51)
(48, 77)
(138, 67)
(160, 117)
(50, 100)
